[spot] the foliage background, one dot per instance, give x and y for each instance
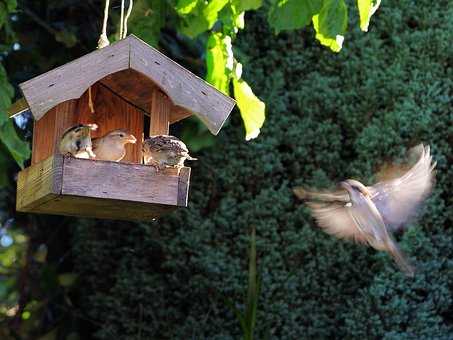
(329, 116)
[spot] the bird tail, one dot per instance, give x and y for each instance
(190, 158)
(400, 259)
(304, 194)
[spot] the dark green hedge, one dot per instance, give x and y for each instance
(329, 117)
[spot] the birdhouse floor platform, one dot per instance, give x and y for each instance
(100, 189)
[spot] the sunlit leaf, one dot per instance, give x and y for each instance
(331, 24)
(203, 17)
(245, 5)
(185, 6)
(252, 109)
(219, 61)
(292, 14)
(366, 10)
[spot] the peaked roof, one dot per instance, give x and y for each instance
(187, 91)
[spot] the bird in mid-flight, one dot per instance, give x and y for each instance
(370, 214)
(76, 141)
(112, 146)
(164, 151)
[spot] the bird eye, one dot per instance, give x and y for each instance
(121, 134)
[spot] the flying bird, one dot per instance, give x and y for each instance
(164, 151)
(370, 214)
(112, 146)
(76, 141)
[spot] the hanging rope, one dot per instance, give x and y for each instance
(129, 11)
(122, 20)
(103, 39)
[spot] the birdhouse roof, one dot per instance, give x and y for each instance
(132, 68)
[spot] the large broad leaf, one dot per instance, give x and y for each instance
(202, 18)
(8, 136)
(366, 10)
(292, 14)
(219, 61)
(331, 24)
(246, 5)
(252, 109)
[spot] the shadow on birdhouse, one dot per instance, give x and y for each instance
(119, 86)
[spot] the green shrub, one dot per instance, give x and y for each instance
(329, 117)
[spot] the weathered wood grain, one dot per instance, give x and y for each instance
(183, 191)
(103, 208)
(160, 113)
(79, 187)
(71, 80)
(127, 182)
(183, 87)
(39, 183)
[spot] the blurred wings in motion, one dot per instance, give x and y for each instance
(368, 215)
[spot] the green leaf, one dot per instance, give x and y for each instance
(203, 17)
(147, 19)
(184, 7)
(252, 109)
(8, 136)
(219, 61)
(366, 10)
(11, 5)
(292, 14)
(331, 24)
(246, 5)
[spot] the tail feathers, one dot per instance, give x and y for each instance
(401, 260)
(190, 158)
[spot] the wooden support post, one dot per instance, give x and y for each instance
(160, 113)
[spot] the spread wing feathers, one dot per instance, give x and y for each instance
(323, 196)
(336, 220)
(397, 200)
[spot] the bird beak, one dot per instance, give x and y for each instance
(132, 139)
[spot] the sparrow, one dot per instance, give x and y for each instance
(112, 146)
(370, 214)
(164, 151)
(76, 141)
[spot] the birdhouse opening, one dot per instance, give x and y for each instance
(123, 100)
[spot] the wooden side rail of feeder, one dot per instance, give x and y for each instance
(80, 187)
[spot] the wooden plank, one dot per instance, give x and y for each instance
(160, 113)
(112, 112)
(179, 113)
(103, 208)
(132, 86)
(183, 191)
(71, 80)
(125, 182)
(183, 87)
(39, 183)
(48, 130)
(18, 107)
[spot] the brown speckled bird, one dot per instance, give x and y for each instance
(164, 151)
(112, 146)
(76, 141)
(370, 214)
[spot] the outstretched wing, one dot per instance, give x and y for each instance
(397, 200)
(336, 219)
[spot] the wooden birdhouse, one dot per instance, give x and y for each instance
(126, 85)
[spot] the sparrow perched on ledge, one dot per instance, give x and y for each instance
(76, 141)
(164, 151)
(112, 146)
(370, 214)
